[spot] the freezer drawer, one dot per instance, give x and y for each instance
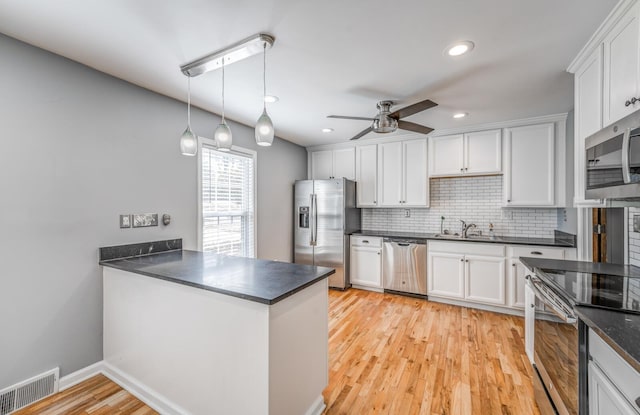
(404, 267)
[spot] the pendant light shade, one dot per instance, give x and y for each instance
(188, 141)
(264, 126)
(264, 130)
(222, 135)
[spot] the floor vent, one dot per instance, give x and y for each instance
(25, 393)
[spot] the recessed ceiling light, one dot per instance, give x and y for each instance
(327, 130)
(460, 115)
(459, 48)
(271, 98)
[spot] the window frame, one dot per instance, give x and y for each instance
(241, 151)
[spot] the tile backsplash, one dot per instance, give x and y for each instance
(472, 199)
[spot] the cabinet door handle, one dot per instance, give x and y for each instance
(513, 265)
(466, 260)
(631, 102)
(462, 260)
(461, 169)
(536, 253)
(378, 252)
(508, 200)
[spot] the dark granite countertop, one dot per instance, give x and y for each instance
(515, 240)
(251, 279)
(619, 329)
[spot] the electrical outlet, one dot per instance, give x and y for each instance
(407, 213)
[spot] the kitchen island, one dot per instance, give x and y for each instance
(210, 333)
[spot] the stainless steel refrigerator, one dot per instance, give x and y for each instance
(325, 214)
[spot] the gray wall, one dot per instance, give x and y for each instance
(78, 148)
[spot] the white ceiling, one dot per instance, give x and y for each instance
(330, 56)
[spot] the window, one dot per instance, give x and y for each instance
(227, 200)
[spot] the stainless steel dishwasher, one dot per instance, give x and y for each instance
(404, 265)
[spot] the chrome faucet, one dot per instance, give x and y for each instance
(465, 228)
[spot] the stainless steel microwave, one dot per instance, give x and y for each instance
(613, 161)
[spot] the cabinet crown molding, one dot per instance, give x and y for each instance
(448, 131)
(597, 38)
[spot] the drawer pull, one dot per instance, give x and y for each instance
(365, 242)
(536, 253)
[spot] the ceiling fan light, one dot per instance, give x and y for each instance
(385, 125)
(264, 130)
(188, 143)
(223, 137)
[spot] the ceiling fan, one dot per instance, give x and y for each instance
(387, 121)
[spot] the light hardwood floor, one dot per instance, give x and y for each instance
(388, 354)
(95, 396)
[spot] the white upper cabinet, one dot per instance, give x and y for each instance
(529, 178)
(466, 154)
(416, 182)
(446, 155)
(483, 152)
(367, 175)
(333, 164)
(622, 68)
(588, 117)
(402, 174)
(390, 177)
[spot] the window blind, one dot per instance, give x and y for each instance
(227, 202)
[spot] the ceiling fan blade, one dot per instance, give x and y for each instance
(413, 109)
(411, 126)
(344, 117)
(362, 133)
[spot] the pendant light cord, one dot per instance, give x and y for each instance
(223, 90)
(189, 102)
(264, 76)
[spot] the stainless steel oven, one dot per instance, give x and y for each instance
(613, 161)
(556, 351)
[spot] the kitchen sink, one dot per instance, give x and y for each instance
(469, 237)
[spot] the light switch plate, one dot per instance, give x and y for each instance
(125, 221)
(636, 223)
(142, 220)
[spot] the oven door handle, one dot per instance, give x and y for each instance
(626, 143)
(552, 303)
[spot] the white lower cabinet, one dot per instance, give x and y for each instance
(517, 272)
(604, 397)
(446, 274)
(469, 271)
(614, 385)
(484, 281)
(366, 261)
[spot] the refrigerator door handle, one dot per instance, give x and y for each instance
(311, 221)
(314, 213)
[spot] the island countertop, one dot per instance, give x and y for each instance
(251, 279)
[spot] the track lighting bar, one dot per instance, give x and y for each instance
(234, 53)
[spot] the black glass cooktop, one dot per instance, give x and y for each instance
(597, 290)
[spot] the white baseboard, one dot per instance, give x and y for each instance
(486, 307)
(81, 375)
(147, 395)
(317, 407)
(150, 397)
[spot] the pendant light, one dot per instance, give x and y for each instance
(223, 135)
(264, 126)
(188, 141)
